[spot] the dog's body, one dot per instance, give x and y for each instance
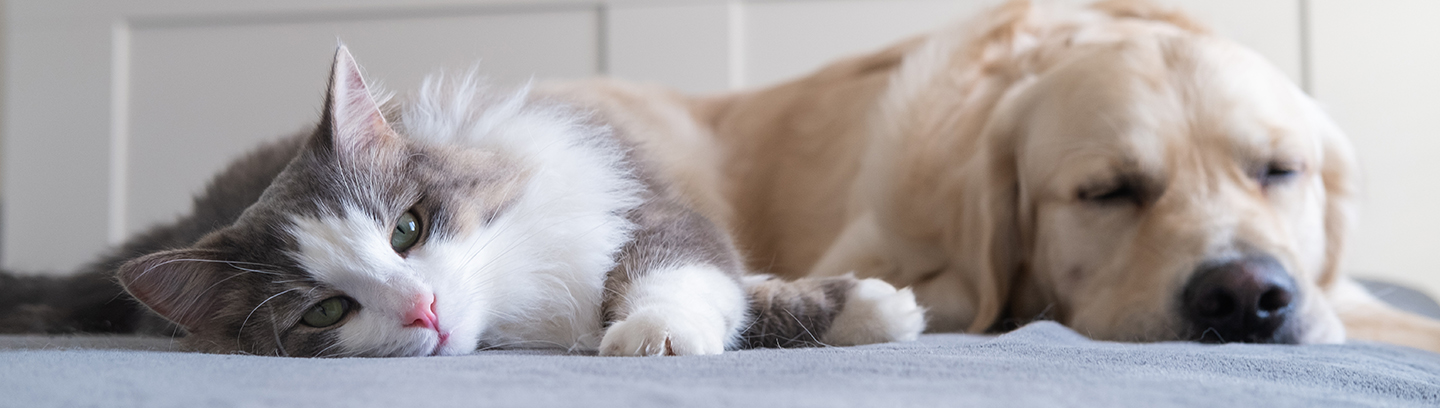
(1116, 168)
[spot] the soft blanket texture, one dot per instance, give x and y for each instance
(1042, 364)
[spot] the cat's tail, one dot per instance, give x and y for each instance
(834, 311)
(88, 302)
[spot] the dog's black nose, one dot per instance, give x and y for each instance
(1245, 300)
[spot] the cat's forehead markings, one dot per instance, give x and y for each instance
(345, 247)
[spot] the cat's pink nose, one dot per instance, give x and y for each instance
(422, 313)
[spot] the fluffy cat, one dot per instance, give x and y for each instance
(457, 221)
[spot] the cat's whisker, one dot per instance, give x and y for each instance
(321, 353)
(279, 344)
(257, 307)
(521, 241)
(507, 345)
(235, 264)
(802, 327)
(167, 262)
(501, 232)
(500, 315)
(217, 283)
(232, 264)
(192, 300)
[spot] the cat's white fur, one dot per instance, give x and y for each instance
(875, 312)
(689, 310)
(533, 276)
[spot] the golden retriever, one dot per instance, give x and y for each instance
(1117, 168)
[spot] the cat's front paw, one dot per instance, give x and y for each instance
(875, 312)
(655, 333)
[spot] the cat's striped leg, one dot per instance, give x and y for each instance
(689, 310)
(835, 311)
(676, 288)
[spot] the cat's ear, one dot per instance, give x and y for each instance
(180, 285)
(352, 122)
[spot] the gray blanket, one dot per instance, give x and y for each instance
(1043, 364)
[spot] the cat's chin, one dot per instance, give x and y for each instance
(428, 350)
(425, 346)
(446, 348)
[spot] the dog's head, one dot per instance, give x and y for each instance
(1176, 187)
(1147, 181)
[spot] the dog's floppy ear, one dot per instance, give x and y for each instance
(992, 231)
(1340, 175)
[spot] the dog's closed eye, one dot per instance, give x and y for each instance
(1276, 172)
(1120, 190)
(1108, 194)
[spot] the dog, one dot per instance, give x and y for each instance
(1117, 168)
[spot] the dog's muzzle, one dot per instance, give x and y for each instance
(1245, 300)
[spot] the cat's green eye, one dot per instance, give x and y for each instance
(407, 232)
(327, 312)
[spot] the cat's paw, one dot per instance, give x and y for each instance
(875, 312)
(655, 333)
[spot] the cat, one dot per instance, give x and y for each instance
(456, 222)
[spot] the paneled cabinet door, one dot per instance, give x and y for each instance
(119, 111)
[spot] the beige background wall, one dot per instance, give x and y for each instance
(1375, 65)
(115, 110)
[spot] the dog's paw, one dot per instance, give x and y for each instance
(655, 333)
(875, 312)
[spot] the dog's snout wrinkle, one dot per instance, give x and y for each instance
(1244, 300)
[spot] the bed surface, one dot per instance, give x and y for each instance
(1042, 364)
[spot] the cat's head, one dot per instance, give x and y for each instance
(381, 239)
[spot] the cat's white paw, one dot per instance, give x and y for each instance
(875, 312)
(653, 332)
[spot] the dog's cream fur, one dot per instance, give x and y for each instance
(957, 163)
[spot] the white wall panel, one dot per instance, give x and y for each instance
(685, 46)
(788, 39)
(1376, 67)
(201, 95)
(56, 128)
(1270, 27)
